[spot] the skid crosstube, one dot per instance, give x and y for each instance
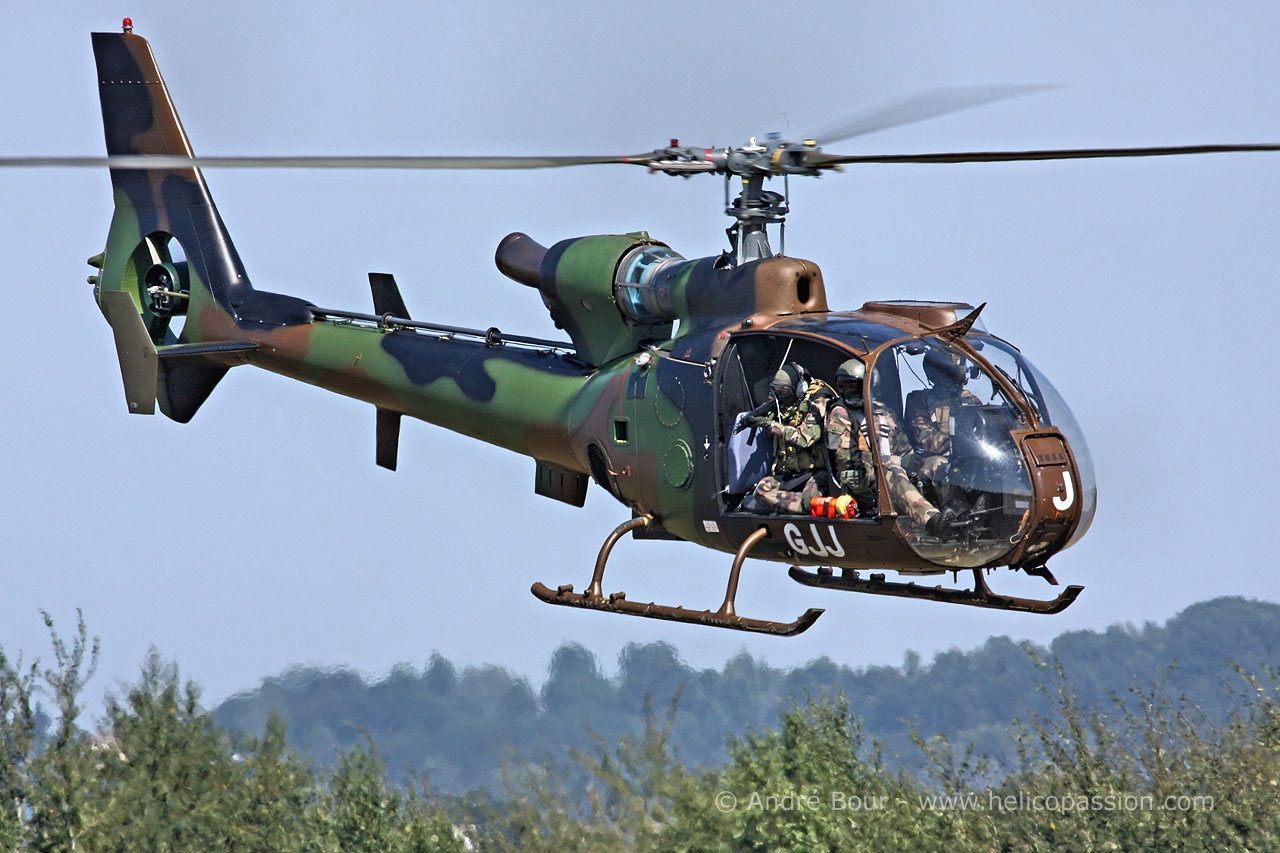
(980, 596)
(726, 617)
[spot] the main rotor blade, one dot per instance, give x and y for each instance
(816, 159)
(149, 161)
(820, 159)
(925, 105)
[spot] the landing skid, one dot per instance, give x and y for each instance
(726, 617)
(980, 596)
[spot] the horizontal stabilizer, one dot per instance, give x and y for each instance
(136, 352)
(386, 296)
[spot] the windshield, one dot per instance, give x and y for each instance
(1052, 410)
(947, 450)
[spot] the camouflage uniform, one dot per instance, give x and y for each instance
(782, 496)
(797, 455)
(929, 422)
(851, 455)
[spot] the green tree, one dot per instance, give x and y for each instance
(61, 770)
(165, 778)
(19, 728)
(365, 813)
(816, 783)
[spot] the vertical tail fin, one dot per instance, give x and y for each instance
(157, 206)
(168, 248)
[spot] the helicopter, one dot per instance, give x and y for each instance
(664, 355)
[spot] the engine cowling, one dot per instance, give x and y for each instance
(614, 294)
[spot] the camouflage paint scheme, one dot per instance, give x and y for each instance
(627, 404)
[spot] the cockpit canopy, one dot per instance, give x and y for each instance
(1050, 410)
(964, 458)
(942, 422)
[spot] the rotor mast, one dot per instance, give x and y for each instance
(755, 208)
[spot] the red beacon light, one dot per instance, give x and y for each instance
(127, 23)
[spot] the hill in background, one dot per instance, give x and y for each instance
(456, 725)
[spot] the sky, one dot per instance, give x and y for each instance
(261, 535)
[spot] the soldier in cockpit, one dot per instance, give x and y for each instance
(852, 447)
(794, 421)
(930, 418)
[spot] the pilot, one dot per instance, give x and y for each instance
(795, 425)
(929, 417)
(850, 446)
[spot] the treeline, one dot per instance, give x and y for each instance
(158, 774)
(455, 725)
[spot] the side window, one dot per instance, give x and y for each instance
(750, 362)
(746, 370)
